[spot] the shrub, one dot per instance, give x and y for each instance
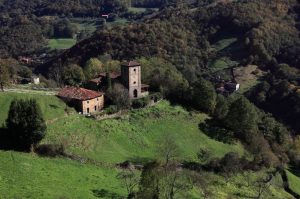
(140, 103)
(111, 109)
(50, 150)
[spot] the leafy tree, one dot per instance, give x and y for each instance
(92, 68)
(130, 180)
(149, 184)
(25, 72)
(242, 117)
(165, 181)
(167, 148)
(119, 96)
(163, 77)
(64, 29)
(221, 108)
(73, 75)
(203, 95)
(272, 130)
(25, 123)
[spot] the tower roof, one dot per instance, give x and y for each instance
(130, 63)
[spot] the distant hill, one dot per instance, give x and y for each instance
(184, 34)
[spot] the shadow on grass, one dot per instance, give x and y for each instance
(140, 160)
(103, 193)
(295, 171)
(213, 129)
(5, 140)
(53, 106)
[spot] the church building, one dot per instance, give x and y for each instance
(131, 78)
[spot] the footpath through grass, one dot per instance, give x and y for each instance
(28, 176)
(136, 136)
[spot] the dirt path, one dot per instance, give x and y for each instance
(27, 91)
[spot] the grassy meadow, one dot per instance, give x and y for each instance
(28, 176)
(61, 43)
(135, 136)
(51, 106)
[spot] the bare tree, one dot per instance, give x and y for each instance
(262, 185)
(202, 180)
(119, 95)
(168, 148)
(130, 180)
(174, 180)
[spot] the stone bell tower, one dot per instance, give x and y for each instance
(131, 78)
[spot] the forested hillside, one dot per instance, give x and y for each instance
(222, 119)
(184, 35)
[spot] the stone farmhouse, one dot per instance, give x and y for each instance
(83, 100)
(90, 101)
(130, 77)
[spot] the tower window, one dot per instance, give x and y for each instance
(134, 82)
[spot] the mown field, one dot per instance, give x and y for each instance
(61, 43)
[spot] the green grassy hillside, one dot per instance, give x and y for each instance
(136, 136)
(294, 182)
(28, 176)
(51, 106)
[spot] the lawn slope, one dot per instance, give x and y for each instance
(51, 106)
(136, 135)
(28, 176)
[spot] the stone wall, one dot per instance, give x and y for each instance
(93, 105)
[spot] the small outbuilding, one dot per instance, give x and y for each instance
(35, 80)
(83, 100)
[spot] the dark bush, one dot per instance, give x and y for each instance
(140, 103)
(50, 150)
(111, 109)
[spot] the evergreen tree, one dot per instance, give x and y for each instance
(203, 95)
(242, 117)
(221, 108)
(25, 123)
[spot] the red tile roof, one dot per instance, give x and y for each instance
(78, 93)
(130, 63)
